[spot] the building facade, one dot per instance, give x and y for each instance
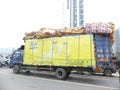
(117, 41)
(73, 13)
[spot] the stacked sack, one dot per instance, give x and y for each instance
(72, 31)
(49, 32)
(99, 27)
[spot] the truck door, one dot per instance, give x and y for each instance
(86, 50)
(17, 57)
(59, 50)
(33, 51)
(72, 50)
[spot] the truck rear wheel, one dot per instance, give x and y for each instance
(16, 69)
(107, 73)
(61, 73)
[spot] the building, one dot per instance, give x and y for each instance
(117, 41)
(73, 13)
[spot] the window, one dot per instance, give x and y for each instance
(16, 54)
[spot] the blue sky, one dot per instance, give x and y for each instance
(20, 16)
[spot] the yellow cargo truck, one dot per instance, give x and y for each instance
(57, 54)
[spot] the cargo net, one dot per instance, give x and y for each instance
(99, 28)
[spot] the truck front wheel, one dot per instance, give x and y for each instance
(16, 69)
(61, 73)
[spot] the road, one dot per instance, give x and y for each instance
(47, 81)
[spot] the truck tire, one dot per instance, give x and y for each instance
(107, 73)
(16, 69)
(61, 73)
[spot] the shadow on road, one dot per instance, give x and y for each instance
(97, 79)
(74, 77)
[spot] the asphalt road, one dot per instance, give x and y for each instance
(47, 81)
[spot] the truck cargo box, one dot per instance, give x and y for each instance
(75, 50)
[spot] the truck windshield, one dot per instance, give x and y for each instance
(16, 54)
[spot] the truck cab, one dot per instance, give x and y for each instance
(17, 56)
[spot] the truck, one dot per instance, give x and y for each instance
(72, 52)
